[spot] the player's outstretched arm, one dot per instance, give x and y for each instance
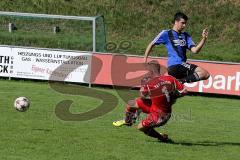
(202, 42)
(148, 51)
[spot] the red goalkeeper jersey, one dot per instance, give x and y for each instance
(162, 92)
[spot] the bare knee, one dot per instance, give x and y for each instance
(206, 75)
(202, 73)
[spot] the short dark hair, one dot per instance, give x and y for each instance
(180, 15)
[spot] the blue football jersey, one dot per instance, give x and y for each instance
(176, 44)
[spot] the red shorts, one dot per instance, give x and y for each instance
(156, 119)
(144, 104)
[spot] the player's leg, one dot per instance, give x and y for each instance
(188, 73)
(130, 115)
(195, 73)
(143, 104)
(202, 73)
(132, 111)
(155, 119)
(150, 131)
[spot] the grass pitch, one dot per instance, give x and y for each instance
(202, 128)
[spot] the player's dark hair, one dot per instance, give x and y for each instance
(180, 15)
(154, 66)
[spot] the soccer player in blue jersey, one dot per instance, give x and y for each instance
(177, 42)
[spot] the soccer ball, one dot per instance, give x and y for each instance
(21, 104)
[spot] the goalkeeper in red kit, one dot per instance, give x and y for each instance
(157, 95)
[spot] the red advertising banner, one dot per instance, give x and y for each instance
(126, 70)
(224, 79)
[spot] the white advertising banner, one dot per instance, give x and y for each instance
(54, 65)
(6, 62)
